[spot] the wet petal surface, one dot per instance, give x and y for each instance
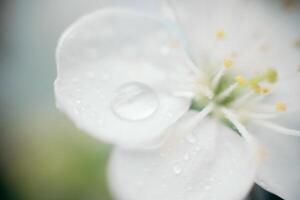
(208, 161)
(279, 171)
(118, 76)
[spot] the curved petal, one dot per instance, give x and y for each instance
(119, 74)
(287, 90)
(208, 161)
(279, 171)
(256, 34)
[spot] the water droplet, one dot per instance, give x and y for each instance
(191, 139)
(198, 148)
(134, 101)
(177, 169)
(186, 157)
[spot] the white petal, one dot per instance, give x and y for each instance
(258, 34)
(287, 90)
(118, 72)
(279, 171)
(204, 162)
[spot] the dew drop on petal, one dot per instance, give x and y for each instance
(134, 101)
(191, 139)
(177, 170)
(91, 75)
(207, 187)
(186, 157)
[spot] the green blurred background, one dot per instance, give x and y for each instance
(42, 155)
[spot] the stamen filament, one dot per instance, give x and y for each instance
(280, 129)
(206, 91)
(203, 113)
(242, 130)
(261, 116)
(240, 101)
(217, 77)
(228, 91)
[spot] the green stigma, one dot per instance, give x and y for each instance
(271, 75)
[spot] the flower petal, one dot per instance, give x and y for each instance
(118, 76)
(256, 34)
(208, 161)
(279, 171)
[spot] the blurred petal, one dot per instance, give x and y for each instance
(118, 74)
(208, 161)
(256, 34)
(279, 171)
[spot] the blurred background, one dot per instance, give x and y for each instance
(42, 155)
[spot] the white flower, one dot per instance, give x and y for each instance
(200, 97)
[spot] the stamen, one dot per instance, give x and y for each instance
(240, 101)
(220, 34)
(265, 90)
(280, 107)
(261, 116)
(205, 91)
(280, 129)
(242, 130)
(228, 91)
(228, 63)
(217, 77)
(271, 75)
(203, 113)
(241, 80)
(256, 88)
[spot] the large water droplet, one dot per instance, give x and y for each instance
(177, 169)
(134, 101)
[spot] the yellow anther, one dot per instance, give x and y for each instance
(241, 80)
(256, 88)
(271, 75)
(228, 63)
(280, 107)
(265, 90)
(220, 34)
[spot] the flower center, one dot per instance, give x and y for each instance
(227, 89)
